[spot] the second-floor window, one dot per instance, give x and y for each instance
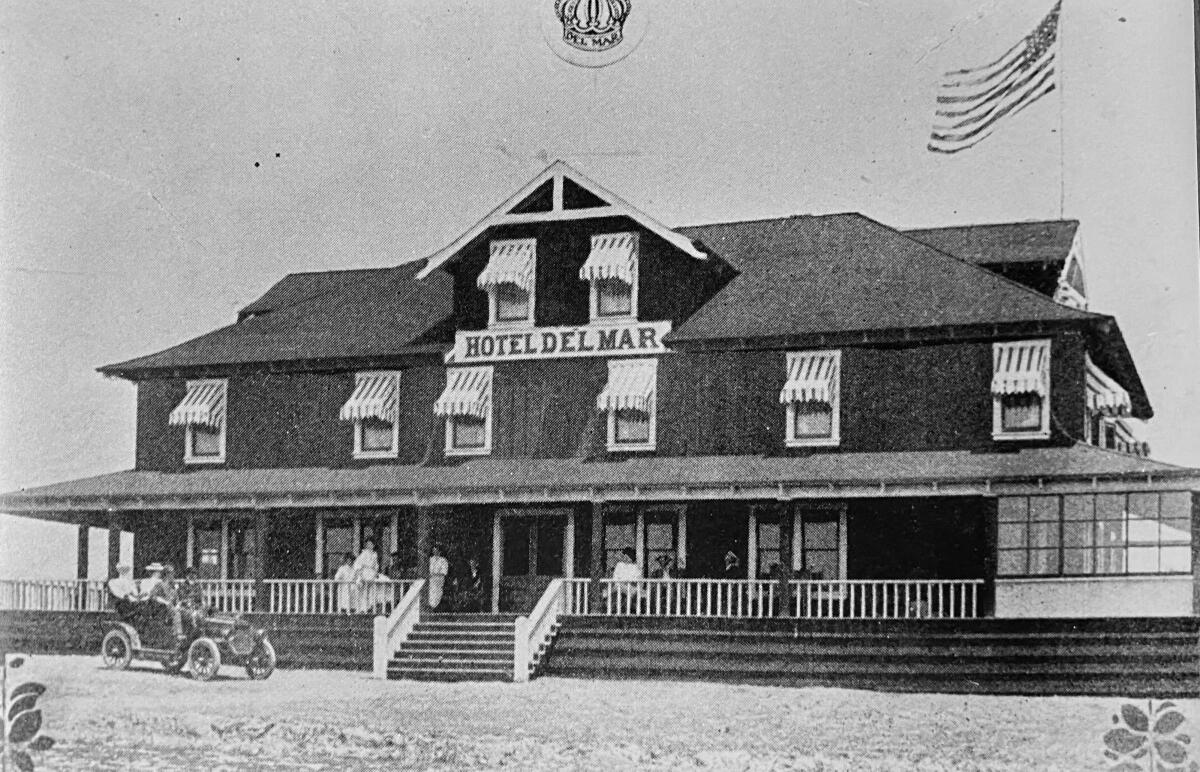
(202, 414)
(628, 400)
(373, 409)
(509, 280)
(1021, 390)
(812, 399)
(611, 270)
(466, 404)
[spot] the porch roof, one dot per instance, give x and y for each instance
(490, 480)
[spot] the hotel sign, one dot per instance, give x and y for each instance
(589, 340)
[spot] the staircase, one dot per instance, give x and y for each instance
(457, 647)
(1126, 657)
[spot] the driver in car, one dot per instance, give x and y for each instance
(165, 592)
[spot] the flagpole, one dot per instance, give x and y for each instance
(1062, 101)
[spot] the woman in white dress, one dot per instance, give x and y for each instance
(366, 568)
(438, 568)
(345, 584)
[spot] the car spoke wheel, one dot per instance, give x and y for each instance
(204, 659)
(116, 650)
(261, 663)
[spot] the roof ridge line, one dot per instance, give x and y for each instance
(992, 224)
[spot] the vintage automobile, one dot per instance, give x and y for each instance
(145, 632)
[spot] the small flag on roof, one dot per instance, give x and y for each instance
(972, 102)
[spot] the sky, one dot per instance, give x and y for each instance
(163, 163)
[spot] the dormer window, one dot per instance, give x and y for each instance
(628, 399)
(811, 396)
(202, 413)
(508, 280)
(611, 269)
(373, 409)
(1021, 390)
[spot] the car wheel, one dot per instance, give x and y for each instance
(204, 659)
(261, 662)
(117, 650)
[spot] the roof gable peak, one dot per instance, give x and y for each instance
(573, 196)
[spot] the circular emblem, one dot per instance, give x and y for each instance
(593, 33)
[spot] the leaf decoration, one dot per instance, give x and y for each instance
(1163, 706)
(30, 687)
(15, 661)
(22, 760)
(25, 726)
(20, 704)
(1127, 766)
(42, 743)
(1123, 741)
(1135, 719)
(1183, 738)
(1167, 723)
(1171, 751)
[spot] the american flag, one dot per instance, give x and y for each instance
(971, 103)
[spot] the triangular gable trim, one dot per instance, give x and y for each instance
(557, 171)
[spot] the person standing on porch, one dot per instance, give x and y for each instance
(345, 584)
(438, 568)
(366, 568)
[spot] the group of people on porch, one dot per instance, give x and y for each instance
(363, 587)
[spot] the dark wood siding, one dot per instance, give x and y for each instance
(159, 445)
(547, 408)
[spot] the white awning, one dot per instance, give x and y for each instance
(613, 256)
(374, 397)
(1104, 395)
(811, 377)
(468, 391)
(630, 385)
(204, 404)
(511, 262)
(1021, 367)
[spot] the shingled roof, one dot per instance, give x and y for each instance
(506, 479)
(1041, 241)
(838, 273)
(376, 313)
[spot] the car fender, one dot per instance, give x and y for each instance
(135, 641)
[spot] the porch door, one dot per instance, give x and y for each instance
(532, 553)
(819, 542)
(206, 551)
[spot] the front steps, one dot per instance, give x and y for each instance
(457, 647)
(1127, 657)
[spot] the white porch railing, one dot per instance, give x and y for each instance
(812, 599)
(229, 596)
(392, 630)
(533, 633)
(887, 598)
(689, 597)
(321, 596)
(53, 595)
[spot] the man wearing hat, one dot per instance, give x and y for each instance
(153, 580)
(124, 590)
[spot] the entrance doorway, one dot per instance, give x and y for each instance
(533, 546)
(712, 530)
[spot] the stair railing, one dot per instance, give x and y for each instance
(533, 631)
(392, 630)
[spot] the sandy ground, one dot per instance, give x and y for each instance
(145, 719)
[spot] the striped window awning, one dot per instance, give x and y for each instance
(811, 377)
(630, 385)
(613, 256)
(374, 397)
(1104, 395)
(1021, 367)
(204, 404)
(511, 262)
(468, 392)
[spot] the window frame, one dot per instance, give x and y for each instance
(189, 440)
(835, 406)
(494, 320)
(594, 314)
(394, 450)
(636, 447)
(999, 433)
(449, 448)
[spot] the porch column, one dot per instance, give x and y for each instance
(991, 536)
(681, 543)
(261, 601)
(81, 551)
(786, 543)
(497, 559)
(115, 523)
(319, 557)
(639, 541)
(189, 560)
(597, 572)
(423, 544)
(569, 546)
(751, 543)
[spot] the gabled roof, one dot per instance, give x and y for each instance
(1042, 241)
(847, 273)
(500, 479)
(373, 313)
(559, 175)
